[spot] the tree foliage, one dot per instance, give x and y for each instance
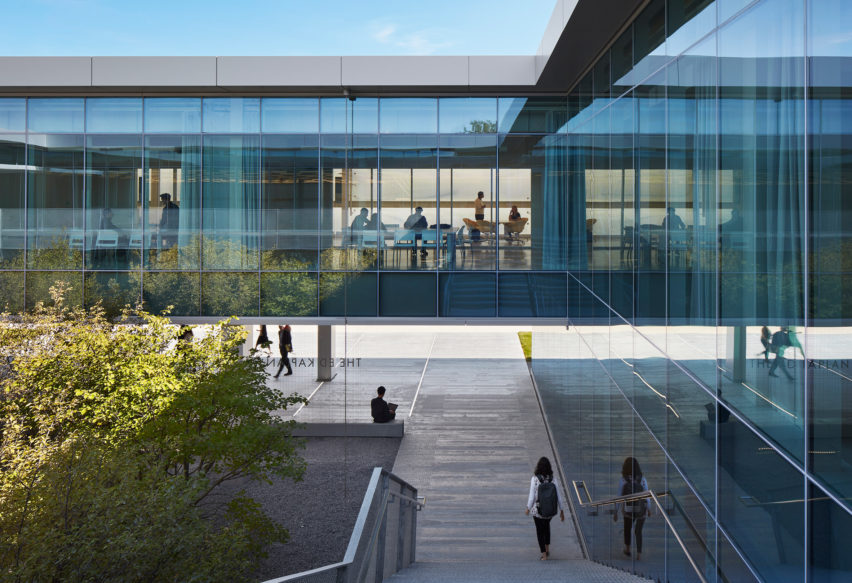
(115, 440)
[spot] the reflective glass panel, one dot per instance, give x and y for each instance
(467, 115)
(13, 114)
(531, 114)
(289, 202)
(12, 216)
(172, 115)
(231, 193)
(290, 115)
(56, 228)
(106, 115)
(231, 114)
(408, 115)
(113, 196)
(172, 203)
(55, 114)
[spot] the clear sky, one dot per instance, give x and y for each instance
(272, 27)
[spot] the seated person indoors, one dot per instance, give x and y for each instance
(514, 214)
(359, 223)
(417, 222)
(375, 224)
(381, 410)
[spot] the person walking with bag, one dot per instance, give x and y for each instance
(285, 346)
(632, 482)
(544, 500)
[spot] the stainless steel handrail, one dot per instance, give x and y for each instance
(647, 494)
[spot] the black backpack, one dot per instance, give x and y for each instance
(548, 504)
(780, 339)
(634, 508)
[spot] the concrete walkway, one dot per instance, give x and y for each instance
(470, 447)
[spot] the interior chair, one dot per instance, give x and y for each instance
(429, 240)
(513, 229)
(403, 240)
(107, 240)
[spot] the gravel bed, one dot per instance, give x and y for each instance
(320, 511)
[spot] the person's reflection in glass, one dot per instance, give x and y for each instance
(672, 221)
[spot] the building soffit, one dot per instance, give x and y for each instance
(577, 32)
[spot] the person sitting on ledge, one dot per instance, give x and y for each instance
(381, 410)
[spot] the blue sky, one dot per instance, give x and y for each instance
(273, 27)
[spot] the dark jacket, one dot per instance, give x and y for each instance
(285, 341)
(380, 411)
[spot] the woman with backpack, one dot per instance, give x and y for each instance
(545, 500)
(632, 482)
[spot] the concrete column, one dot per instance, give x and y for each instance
(325, 353)
(735, 359)
(245, 349)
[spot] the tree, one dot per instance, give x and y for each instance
(114, 438)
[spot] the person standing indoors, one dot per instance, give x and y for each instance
(285, 346)
(169, 220)
(632, 482)
(544, 500)
(479, 206)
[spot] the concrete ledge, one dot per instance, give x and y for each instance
(392, 429)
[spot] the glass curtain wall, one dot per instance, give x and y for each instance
(709, 322)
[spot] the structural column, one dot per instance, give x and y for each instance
(735, 359)
(325, 353)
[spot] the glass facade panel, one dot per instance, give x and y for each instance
(290, 115)
(65, 115)
(13, 229)
(408, 115)
(289, 209)
(240, 115)
(467, 115)
(231, 197)
(407, 294)
(522, 115)
(13, 114)
(56, 228)
(113, 197)
(171, 209)
(403, 236)
(294, 294)
(108, 115)
(173, 115)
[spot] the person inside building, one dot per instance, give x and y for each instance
(417, 222)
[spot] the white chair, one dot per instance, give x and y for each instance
(76, 239)
(106, 240)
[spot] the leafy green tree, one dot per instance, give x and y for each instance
(115, 441)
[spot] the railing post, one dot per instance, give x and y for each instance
(400, 531)
(380, 543)
(413, 510)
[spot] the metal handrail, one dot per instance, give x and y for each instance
(356, 554)
(647, 494)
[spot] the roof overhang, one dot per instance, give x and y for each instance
(577, 32)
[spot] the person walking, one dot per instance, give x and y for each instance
(634, 512)
(780, 342)
(285, 346)
(262, 339)
(766, 341)
(544, 499)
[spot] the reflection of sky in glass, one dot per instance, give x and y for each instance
(830, 28)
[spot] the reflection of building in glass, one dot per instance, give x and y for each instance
(734, 114)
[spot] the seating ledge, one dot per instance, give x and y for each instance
(394, 428)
